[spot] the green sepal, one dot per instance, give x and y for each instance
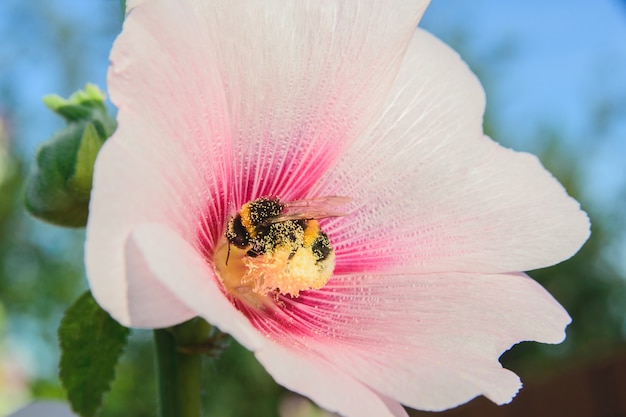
(83, 105)
(59, 186)
(82, 178)
(91, 345)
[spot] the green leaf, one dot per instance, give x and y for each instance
(91, 344)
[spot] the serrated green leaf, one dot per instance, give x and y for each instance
(91, 344)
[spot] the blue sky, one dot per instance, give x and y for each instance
(562, 54)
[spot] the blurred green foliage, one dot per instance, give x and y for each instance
(37, 283)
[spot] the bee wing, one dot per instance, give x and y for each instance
(308, 215)
(327, 202)
(315, 208)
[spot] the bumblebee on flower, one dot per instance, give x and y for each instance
(259, 105)
(276, 252)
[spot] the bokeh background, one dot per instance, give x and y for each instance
(555, 77)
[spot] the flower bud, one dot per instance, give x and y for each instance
(59, 185)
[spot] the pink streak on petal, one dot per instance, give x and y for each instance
(431, 193)
(312, 76)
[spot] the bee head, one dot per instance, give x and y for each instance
(236, 233)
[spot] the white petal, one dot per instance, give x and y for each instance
(431, 193)
(330, 387)
(127, 191)
(156, 306)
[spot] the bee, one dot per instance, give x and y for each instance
(279, 246)
(265, 223)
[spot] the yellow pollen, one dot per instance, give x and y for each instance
(287, 275)
(286, 270)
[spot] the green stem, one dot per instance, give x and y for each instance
(178, 377)
(179, 351)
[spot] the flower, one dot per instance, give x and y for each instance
(222, 103)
